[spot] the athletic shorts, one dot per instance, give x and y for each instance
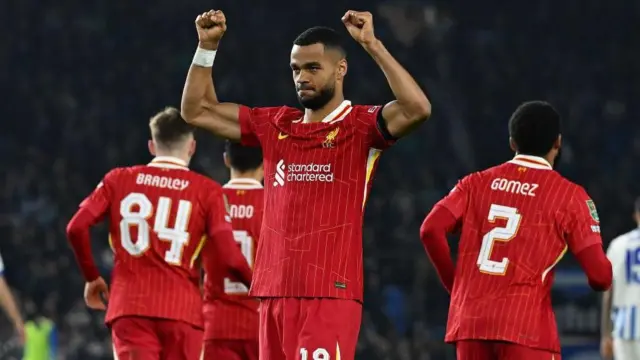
(626, 349)
(309, 328)
(230, 350)
(142, 338)
(500, 350)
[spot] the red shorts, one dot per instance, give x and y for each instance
(143, 338)
(500, 350)
(307, 329)
(230, 350)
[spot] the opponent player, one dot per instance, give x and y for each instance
(231, 317)
(318, 169)
(517, 221)
(622, 336)
(159, 216)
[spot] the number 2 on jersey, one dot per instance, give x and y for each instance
(136, 209)
(502, 234)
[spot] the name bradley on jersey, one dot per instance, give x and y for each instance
(514, 187)
(164, 182)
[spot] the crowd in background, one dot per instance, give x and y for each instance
(81, 79)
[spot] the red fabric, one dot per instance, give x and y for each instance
(290, 326)
(499, 350)
(596, 266)
(516, 222)
(80, 239)
(159, 218)
(229, 312)
(231, 350)
(140, 338)
(317, 179)
(433, 233)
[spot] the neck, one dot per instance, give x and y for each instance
(250, 174)
(318, 115)
(174, 154)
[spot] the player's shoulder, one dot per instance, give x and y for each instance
(113, 175)
(277, 113)
(203, 181)
(369, 110)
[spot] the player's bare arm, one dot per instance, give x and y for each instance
(200, 106)
(606, 326)
(411, 106)
(9, 305)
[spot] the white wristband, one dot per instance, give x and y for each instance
(204, 57)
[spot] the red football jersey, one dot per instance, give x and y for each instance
(228, 312)
(317, 178)
(160, 215)
(517, 221)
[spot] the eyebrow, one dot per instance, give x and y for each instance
(306, 65)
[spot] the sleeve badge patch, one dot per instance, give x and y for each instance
(592, 210)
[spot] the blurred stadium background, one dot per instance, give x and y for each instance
(80, 79)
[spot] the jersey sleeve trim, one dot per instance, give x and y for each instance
(381, 124)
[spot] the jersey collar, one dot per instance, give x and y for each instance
(168, 162)
(338, 114)
(243, 184)
(530, 161)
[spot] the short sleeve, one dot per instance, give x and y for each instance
(99, 200)
(1, 266)
(379, 136)
(252, 121)
(457, 199)
(582, 224)
(218, 218)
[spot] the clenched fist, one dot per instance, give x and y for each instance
(211, 25)
(360, 26)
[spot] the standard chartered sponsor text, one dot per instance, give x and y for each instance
(309, 172)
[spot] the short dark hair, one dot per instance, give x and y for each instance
(321, 35)
(534, 127)
(243, 158)
(636, 205)
(169, 128)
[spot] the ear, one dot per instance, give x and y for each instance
(512, 145)
(152, 147)
(192, 148)
(225, 158)
(558, 143)
(342, 68)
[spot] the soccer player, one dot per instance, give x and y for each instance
(231, 317)
(162, 215)
(318, 168)
(516, 220)
(622, 336)
(8, 303)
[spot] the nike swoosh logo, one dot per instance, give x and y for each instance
(282, 136)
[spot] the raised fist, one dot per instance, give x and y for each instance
(211, 25)
(360, 26)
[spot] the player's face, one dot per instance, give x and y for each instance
(316, 73)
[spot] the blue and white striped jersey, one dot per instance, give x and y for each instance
(624, 254)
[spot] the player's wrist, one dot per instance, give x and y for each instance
(208, 45)
(373, 46)
(204, 57)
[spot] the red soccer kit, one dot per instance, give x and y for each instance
(231, 317)
(317, 178)
(517, 221)
(160, 215)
